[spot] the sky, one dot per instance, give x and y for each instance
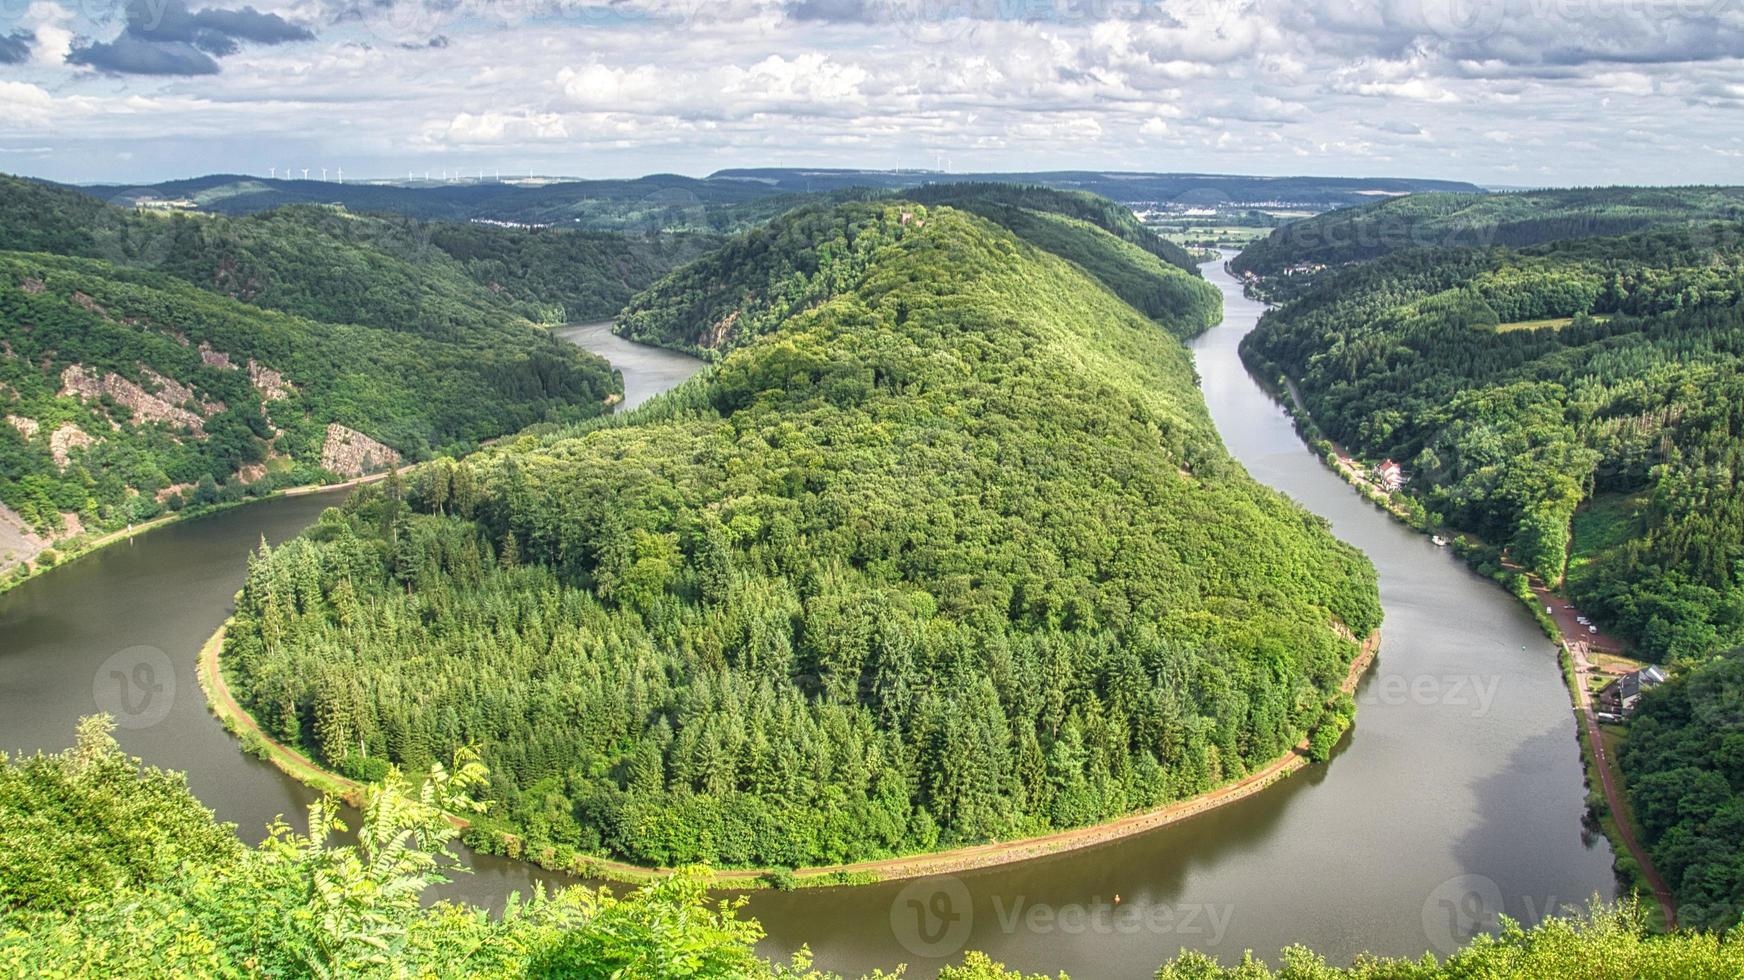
(1498, 92)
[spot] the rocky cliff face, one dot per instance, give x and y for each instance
(350, 453)
(165, 406)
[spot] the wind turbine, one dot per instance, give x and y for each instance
(272, 172)
(341, 175)
(305, 173)
(323, 174)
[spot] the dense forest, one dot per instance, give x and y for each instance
(949, 552)
(759, 280)
(1446, 220)
(1684, 761)
(127, 390)
(380, 270)
(109, 868)
(652, 204)
(996, 201)
(1521, 388)
(728, 201)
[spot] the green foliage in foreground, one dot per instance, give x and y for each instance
(111, 869)
(1684, 763)
(954, 555)
(1603, 944)
(1506, 433)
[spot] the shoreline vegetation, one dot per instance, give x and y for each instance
(1630, 860)
(294, 763)
(71, 549)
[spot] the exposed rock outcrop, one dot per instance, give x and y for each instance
(86, 384)
(271, 384)
(64, 440)
(26, 427)
(215, 358)
(349, 452)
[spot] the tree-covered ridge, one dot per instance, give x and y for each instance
(1684, 762)
(954, 554)
(554, 275)
(112, 869)
(1507, 419)
(804, 257)
(1518, 219)
(641, 205)
(447, 281)
(210, 414)
(993, 200)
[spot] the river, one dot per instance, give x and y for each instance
(1457, 795)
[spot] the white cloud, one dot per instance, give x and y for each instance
(641, 85)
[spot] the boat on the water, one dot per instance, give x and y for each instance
(1439, 541)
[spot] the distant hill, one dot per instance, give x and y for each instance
(1467, 220)
(727, 201)
(1123, 186)
(656, 203)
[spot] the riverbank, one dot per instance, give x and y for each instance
(68, 551)
(300, 767)
(1603, 779)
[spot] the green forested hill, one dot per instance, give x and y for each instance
(154, 888)
(759, 279)
(119, 383)
(995, 201)
(325, 263)
(1518, 386)
(951, 553)
(1444, 220)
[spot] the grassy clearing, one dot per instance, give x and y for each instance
(1554, 323)
(1606, 522)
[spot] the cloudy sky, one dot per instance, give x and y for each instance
(1512, 92)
